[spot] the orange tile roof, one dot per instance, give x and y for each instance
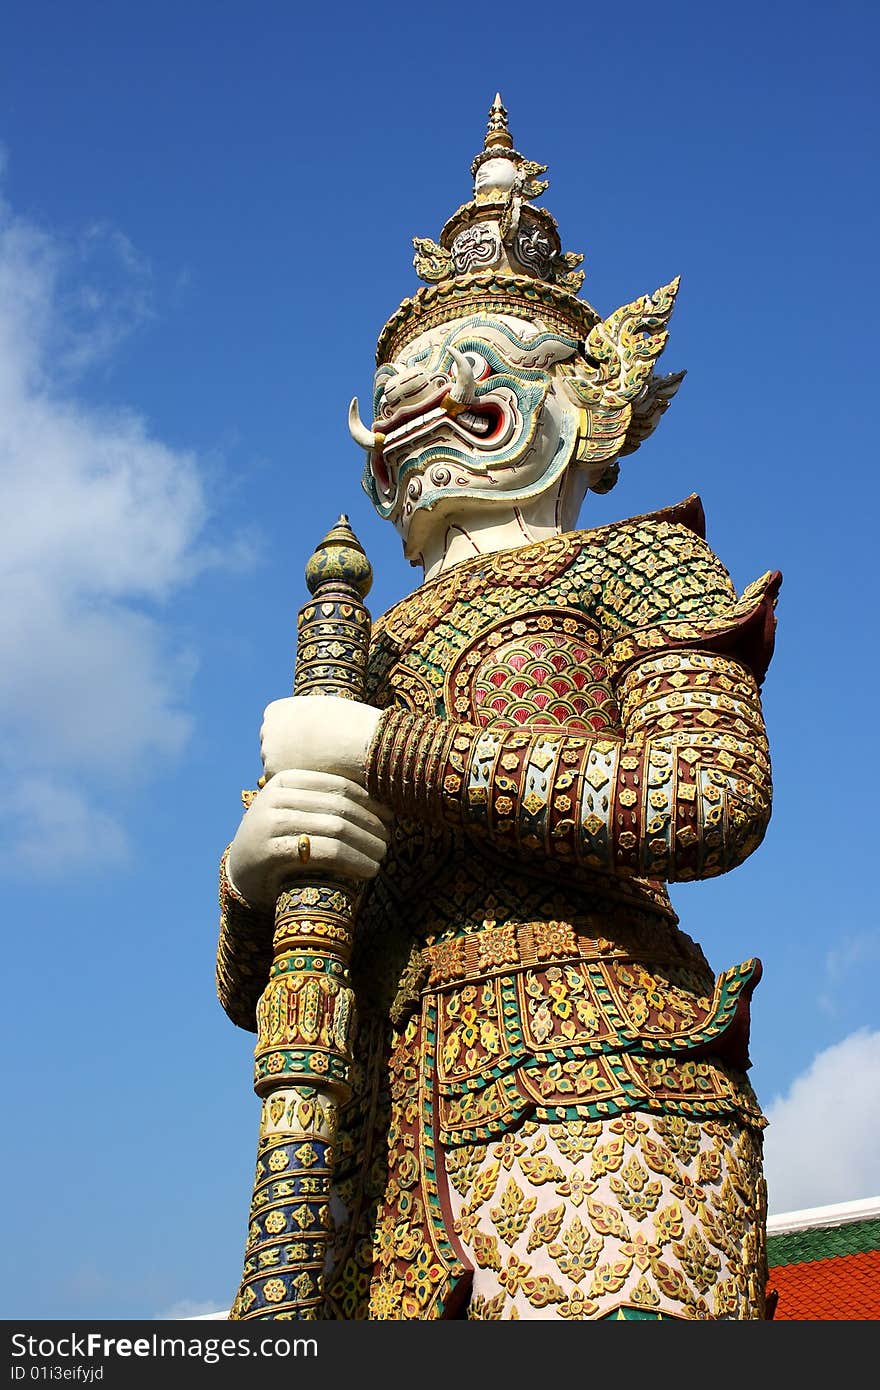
(841, 1287)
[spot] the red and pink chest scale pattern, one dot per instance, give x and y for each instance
(540, 669)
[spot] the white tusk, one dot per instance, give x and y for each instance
(359, 432)
(464, 390)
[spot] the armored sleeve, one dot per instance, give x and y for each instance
(684, 792)
(244, 952)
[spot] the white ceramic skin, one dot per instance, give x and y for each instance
(505, 490)
(348, 832)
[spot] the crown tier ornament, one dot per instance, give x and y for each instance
(497, 253)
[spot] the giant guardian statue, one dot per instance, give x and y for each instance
(517, 1089)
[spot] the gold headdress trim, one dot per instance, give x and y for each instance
(520, 295)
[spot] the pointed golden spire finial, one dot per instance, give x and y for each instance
(498, 137)
(495, 245)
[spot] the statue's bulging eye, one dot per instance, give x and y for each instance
(478, 362)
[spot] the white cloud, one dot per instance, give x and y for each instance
(99, 525)
(56, 828)
(192, 1308)
(854, 955)
(822, 1144)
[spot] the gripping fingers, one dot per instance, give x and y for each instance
(292, 805)
(339, 857)
(331, 828)
(354, 855)
(300, 782)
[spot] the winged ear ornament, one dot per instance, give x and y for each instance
(620, 401)
(648, 407)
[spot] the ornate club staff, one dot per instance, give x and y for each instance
(305, 1015)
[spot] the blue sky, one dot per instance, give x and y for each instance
(206, 218)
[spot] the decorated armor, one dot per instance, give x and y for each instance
(550, 1115)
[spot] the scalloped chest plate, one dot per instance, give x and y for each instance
(539, 669)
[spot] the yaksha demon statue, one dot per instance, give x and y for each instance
(549, 1115)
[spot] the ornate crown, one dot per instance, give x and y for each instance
(497, 253)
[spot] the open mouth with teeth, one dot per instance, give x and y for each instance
(480, 420)
(484, 419)
(487, 420)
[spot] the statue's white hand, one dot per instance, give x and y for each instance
(347, 834)
(318, 732)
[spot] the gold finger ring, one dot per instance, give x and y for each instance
(303, 848)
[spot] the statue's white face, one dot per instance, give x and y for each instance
(469, 414)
